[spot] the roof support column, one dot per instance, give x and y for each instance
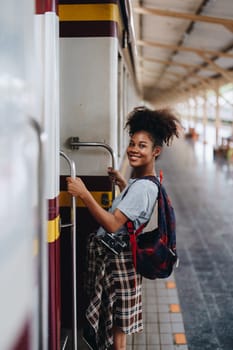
(217, 116)
(195, 111)
(232, 127)
(204, 116)
(189, 108)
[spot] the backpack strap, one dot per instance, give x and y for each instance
(130, 226)
(132, 237)
(161, 176)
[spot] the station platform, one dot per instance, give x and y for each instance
(192, 310)
(201, 189)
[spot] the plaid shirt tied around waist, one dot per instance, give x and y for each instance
(113, 297)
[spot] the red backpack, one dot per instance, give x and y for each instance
(154, 252)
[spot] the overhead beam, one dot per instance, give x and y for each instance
(193, 74)
(201, 53)
(205, 83)
(229, 27)
(189, 74)
(184, 48)
(179, 75)
(149, 71)
(228, 23)
(188, 30)
(224, 72)
(174, 63)
(206, 86)
(178, 84)
(227, 101)
(184, 84)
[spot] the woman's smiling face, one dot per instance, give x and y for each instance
(141, 150)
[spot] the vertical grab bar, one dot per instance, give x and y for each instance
(43, 254)
(73, 225)
(74, 144)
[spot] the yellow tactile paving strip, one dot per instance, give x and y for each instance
(180, 338)
(174, 308)
(170, 284)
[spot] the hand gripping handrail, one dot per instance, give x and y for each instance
(42, 240)
(74, 253)
(75, 144)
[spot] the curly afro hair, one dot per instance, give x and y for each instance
(161, 124)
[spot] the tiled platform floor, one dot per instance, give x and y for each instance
(163, 322)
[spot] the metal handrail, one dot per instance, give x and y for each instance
(74, 253)
(76, 144)
(42, 242)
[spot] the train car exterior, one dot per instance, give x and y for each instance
(67, 83)
(96, 93)
(23, 256)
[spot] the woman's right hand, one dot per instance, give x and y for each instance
(76, 187)
(117, 178)
(111, 222)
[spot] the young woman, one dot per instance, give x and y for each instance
(113, 286)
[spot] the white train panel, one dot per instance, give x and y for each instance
(88, 67)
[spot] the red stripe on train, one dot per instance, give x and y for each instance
(23, 342)
(42, 6)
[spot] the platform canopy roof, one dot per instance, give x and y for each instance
(182, 46)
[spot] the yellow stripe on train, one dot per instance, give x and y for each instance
(53, 232)
(104, 198)
(88, 12)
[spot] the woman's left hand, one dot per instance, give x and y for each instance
(117, 178)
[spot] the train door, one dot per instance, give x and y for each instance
(89, 45)
(102, 190)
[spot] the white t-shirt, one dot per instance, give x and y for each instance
(137, 204)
